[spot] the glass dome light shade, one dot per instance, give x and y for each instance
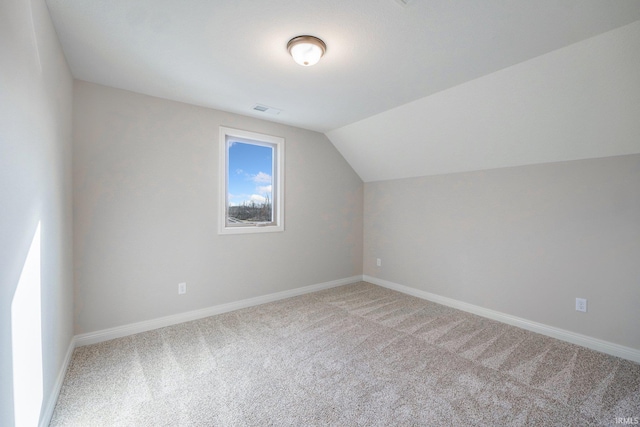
(306, 50)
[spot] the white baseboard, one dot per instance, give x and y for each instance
(550, 331)
(147, 325)
(47, 412)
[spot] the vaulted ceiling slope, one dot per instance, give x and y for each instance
(578, 102)
(412, 72)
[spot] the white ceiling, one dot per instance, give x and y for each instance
(231, 54)
(578, 102)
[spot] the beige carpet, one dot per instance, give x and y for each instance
(353, 355)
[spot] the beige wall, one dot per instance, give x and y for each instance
(145, 205)
(35, 187)
(524, 241)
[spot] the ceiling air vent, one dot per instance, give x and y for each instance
(264, 109)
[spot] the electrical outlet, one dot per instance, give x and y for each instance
(182, 288)
(581, 304)
(378, 262)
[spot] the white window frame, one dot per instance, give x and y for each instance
(277, 202)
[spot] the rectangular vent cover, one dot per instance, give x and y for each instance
(264, 109)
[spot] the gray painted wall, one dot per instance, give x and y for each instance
(35, 187)
(524, 241)
(145, 212)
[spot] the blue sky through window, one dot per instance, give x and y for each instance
(250, 173)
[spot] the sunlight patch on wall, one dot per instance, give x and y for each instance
(26, 335)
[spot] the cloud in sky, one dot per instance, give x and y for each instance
(261, 178)
(241, 199)
(264, 189)
(258, 198)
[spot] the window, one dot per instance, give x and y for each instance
(251, 182)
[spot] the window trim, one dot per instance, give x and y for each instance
(277, 183)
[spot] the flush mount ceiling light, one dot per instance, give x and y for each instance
(306, 50)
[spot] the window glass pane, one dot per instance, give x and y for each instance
(250, 182)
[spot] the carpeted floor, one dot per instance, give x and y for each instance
(353, 355)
